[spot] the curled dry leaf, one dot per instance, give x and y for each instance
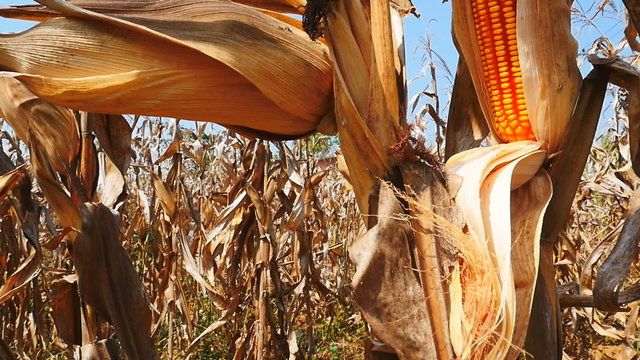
(52, 126)
(51, 133)
(27, 271)
(131, 61)
(111, 183)
(9, 179)
(114, 134)
(66, 311)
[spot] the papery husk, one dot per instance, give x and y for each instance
(503, 194)
(550, 75)
(547, 54)
(365, 89)
(198, 60)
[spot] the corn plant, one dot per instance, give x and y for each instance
(158, 236)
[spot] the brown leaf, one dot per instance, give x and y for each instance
(567, 168)
(114, 134)
(53, 127)
(109, 283)
(65, 309)
(111, 182)
(27, 271)
(10, 179)
(166, 197)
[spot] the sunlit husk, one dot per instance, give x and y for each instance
(547, 54)
(199, 60)
(550, 74)
(502, 194)
(366, 99)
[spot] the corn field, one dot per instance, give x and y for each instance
(246, 179)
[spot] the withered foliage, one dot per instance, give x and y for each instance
(234, 248)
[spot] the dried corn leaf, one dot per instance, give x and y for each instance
(53, 127)
(166, 197)
(133, 64)
(57, 196)
(8, 180)
(26, 272)
(65, 309)
(109, 283)
(385, 285)
(110, 188)
(114, 134)
(52, 136)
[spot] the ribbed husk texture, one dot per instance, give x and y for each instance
(200, 60)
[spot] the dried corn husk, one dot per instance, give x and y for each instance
(368, 103)
(199, 60)
(486, 182)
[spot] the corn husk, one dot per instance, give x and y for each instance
(502, 193)
(198, 60)
(366, 52)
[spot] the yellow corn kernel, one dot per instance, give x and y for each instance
(495, 32)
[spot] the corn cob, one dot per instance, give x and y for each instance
(495, 23)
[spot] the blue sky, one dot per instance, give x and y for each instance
(435, 25)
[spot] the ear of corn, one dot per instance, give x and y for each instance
(526, 81)
(495, 25)
(521, 56)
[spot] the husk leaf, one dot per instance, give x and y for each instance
(486, 182)
(199, 60)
